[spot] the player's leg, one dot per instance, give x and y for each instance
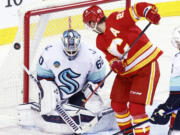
(119, 100)
(142, 92)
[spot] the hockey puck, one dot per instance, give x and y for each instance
(17, 46)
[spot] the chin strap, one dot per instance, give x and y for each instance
(93, 29)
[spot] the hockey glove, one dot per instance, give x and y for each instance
(173, 100)
(152, 15)
(117, 66)
(158, 116)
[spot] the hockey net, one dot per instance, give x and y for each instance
(41, 24)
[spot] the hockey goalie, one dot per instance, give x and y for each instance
(67, 73)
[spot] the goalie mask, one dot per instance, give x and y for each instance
(71, 43)
(176, 37)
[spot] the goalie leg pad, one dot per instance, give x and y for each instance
(53, 123)
(27, 113)
(51, 97)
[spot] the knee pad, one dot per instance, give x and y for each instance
(136, 109)
(118, 107)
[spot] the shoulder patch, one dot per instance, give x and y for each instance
(56, 64)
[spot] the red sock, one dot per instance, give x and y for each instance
(138, 113)
(122, 115)
(124, 120)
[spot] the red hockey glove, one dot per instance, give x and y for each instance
(151, 15)
(117, 66)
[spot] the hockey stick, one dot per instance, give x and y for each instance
(142, 32)
(73, 125)
(148, 120)
(68, 120)
(36, 81)
(41, 93)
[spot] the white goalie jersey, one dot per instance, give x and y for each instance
(70, 75)
(175, 73)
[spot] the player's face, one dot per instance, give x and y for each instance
(92, 25)
(101, 27)
(98, 28)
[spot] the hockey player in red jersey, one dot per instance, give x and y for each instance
(138, 72)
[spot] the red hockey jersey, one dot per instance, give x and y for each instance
(120, 33)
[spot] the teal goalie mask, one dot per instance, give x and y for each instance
(71, 43)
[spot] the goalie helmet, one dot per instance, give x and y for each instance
(71, 43)
(93, 13)
(176, 37)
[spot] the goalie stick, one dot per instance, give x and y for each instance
(142, 32)
(41, 93)
(35, 80)
(67, 119)
(148, 120)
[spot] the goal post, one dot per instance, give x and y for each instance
(42, 24)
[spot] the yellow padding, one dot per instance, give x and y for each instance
(170, 8)
(173, 115)
(136, 121)
(139, 52)
(124, 123)
(7, 35)
(123, 115)
(142, 130)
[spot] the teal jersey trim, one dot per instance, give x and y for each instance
(41, 72)
(175, 84)
(96, 77)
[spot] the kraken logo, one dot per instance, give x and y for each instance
(69, 84)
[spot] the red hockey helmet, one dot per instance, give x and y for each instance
(93, 13)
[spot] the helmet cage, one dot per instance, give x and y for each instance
(71, 43)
